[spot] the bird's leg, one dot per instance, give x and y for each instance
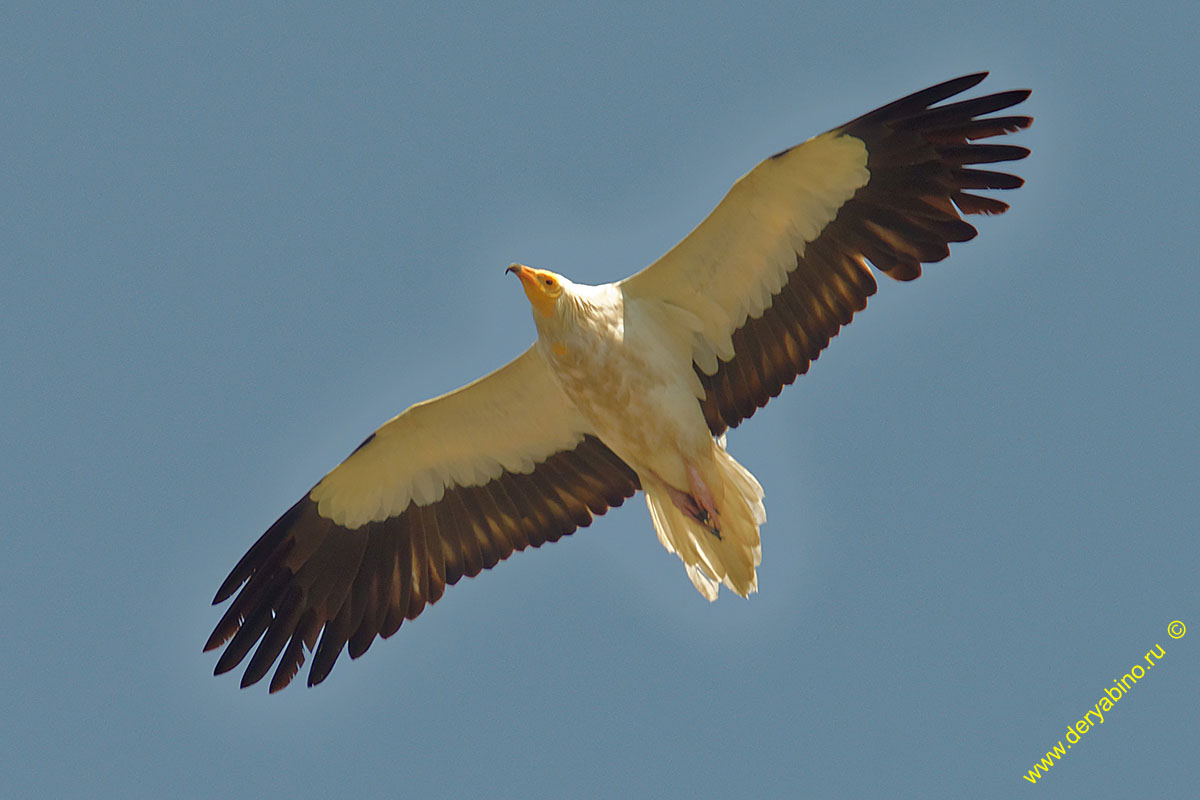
(703, 495)
(684, 502)
(698, 503)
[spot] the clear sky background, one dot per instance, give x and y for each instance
(234, 238)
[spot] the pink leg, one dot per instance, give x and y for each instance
(699, 503)
(685, 502)
(703, 495)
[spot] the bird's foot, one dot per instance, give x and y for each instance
(709, 521)
(698, 503)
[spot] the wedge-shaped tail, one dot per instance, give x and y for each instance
(710, 559)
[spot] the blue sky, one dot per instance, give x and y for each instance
(235, 238)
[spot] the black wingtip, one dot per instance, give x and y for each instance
(227, 589)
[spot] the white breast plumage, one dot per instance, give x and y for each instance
(626, 369)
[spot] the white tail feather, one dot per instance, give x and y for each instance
(711, 561)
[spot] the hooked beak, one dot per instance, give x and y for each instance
(533, 290)
(527, 276)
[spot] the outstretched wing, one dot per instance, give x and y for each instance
(780, 264)
(448, 488)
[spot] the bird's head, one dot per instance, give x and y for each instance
(542, 287)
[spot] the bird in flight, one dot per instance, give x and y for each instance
(630, 385)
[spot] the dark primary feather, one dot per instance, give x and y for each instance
(908, 213)
(307, 577)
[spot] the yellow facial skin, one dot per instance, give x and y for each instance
(541, 287)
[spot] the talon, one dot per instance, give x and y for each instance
(703, 518)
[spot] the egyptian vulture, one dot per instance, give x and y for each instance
(630, 385)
